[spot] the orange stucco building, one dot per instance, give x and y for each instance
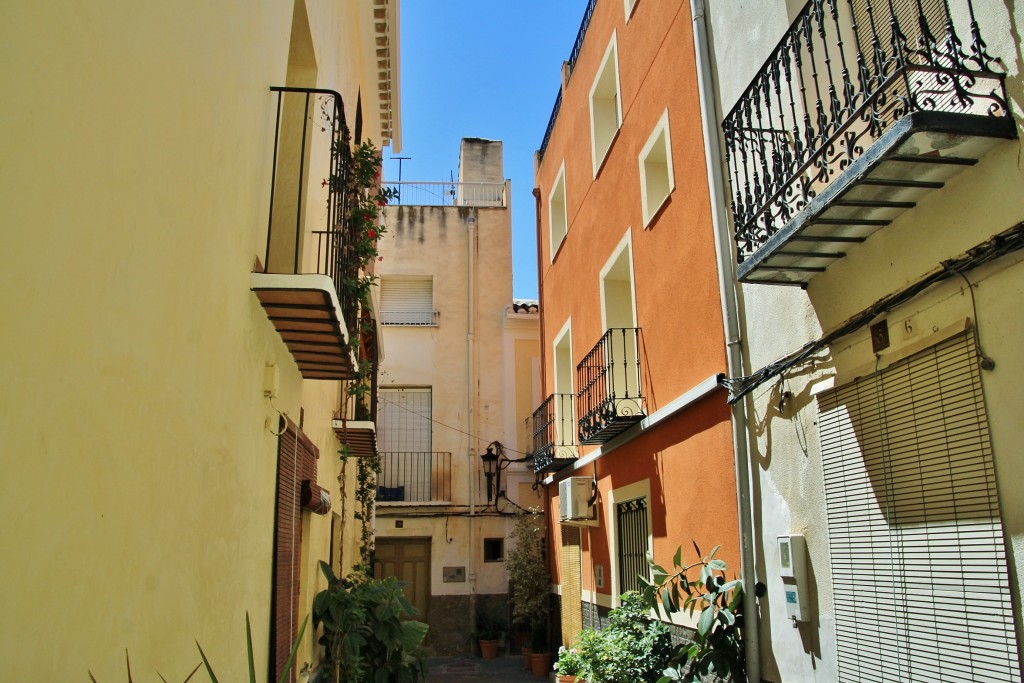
(632, 333)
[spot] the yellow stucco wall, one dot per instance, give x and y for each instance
(139, 462)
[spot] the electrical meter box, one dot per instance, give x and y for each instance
(793, 570)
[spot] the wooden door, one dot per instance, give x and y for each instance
(407, 559)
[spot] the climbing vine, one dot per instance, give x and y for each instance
(360, 184)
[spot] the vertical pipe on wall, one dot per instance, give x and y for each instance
(733, 340)
(471, 237)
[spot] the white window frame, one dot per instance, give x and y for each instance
(659, 142)
(630, 6)
(599, 148)
(558, 213)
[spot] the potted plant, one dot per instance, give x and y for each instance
(529, 586)
(569, 666)
(540, 653)
(488, 631)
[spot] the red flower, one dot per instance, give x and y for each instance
(381, 201)
(380, 258)
(371, 234)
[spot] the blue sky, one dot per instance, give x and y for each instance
(489, 69)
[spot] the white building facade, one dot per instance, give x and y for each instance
(868, 176)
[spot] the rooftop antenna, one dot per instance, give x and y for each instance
(400, 160)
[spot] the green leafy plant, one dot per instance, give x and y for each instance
(285, 674)
(366, 637)
(633, 647)
(209, 668)
(570, 661)
(489, 626)
(717, 647)
(367, 470)
(529, 586)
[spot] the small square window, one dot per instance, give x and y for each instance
(494, 550)
(656, 177)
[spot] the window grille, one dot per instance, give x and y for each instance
(919, 567)
(632, 539)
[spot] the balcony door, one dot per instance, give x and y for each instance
(404, 442)
(565, 415)
(619, 312)
(287, 217)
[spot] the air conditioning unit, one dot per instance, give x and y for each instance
(573, 494)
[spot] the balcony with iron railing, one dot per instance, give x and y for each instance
(554, 433)
(478, 194)
(862, 108)
(420, 477)
(588, 13)
(306, 280)
(610, 398)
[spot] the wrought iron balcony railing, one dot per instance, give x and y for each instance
(409, 193)
(554, 433)
(845, 73)
(312, 141)
(415, 478)
(610, 398)
(588, 13)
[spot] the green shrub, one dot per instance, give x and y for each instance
(365, 637)
(633, 648)
(717, 647)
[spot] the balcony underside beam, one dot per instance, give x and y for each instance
(304, 310)
(916, 156)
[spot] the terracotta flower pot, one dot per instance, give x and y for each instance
(540, 664)
(488, 649)
(526, 657)
(566, 679)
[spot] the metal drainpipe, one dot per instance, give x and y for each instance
(471, 236)
(734, 354)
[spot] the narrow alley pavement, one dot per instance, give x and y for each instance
(466, 669)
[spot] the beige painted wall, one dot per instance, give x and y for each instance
(469, 413)
(139, 463)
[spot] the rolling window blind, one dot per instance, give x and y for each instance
(407, 301)
(919, 571)
(404, 420)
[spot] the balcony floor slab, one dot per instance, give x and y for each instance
(304, 310)
(915, 157)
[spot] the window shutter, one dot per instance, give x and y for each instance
(918, 554)
(407, 301)
(296, 462)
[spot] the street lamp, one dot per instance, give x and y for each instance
(494, 463)
(491, 469)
